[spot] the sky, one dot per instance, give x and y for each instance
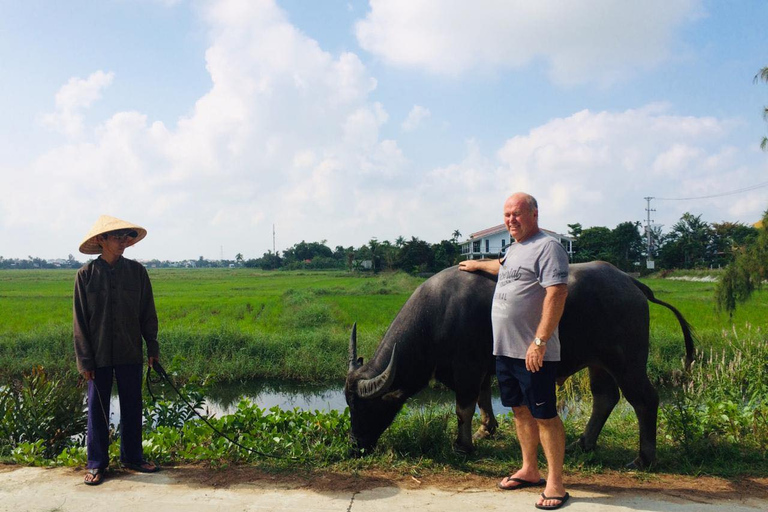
(214, 123)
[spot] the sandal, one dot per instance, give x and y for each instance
(94, 476)
(521, 484)
(141, 467)
(560, 499)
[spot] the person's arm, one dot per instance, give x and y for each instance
(489, 266)
(83, 351)
(149, 319)
(552, 311)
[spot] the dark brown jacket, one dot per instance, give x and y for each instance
(113, 309)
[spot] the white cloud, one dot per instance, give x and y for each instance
(415, 117)
(74, 97)
(585, 41)
(291, 135)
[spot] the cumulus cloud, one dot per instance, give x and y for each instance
(289, 134)
(415, 117)
(585, 41)
(75, 96)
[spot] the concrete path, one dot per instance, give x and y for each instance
(60, 489)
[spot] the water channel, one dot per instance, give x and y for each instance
(222, 399)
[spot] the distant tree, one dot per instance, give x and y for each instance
(455, 236)
(445, 254)
(574, 230)
(626, 246)
(593, 244)
(239, 258)
(688, 245)
(306, 251)
(388, 254)
(399, 242)
(270, 261)
(373, 245)
(746, 273)
(762, 76)
(351, 258)
(415, 256)
(728, 238)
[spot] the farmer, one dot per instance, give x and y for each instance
(527, 306)
(113, 310)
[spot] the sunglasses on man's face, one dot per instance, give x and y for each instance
(122, 234)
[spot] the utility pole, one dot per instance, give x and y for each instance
(273, 240)
(649, 263)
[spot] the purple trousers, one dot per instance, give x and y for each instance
(129, 392)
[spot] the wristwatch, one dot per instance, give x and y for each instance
(539, 342)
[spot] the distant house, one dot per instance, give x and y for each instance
(492, 242)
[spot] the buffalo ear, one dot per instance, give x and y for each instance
(393, 396)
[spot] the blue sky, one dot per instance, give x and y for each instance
(208, 122)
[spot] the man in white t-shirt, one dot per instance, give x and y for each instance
(527, 306)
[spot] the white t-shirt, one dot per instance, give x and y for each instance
(528, 268)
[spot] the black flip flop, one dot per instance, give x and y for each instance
(98, 476)
(140, 467)
(561, 499)
(522, 484)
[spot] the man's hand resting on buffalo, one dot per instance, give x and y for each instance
(490, 266)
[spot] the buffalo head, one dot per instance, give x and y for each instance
(372, 403)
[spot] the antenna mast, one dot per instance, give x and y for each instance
(649, 263)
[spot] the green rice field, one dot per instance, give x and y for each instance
(233, 324)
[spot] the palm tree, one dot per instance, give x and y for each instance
(762, 76)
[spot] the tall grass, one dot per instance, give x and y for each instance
(235, 324)
(231, 324)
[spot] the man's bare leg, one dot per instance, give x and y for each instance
(528, 435)
(552, 435)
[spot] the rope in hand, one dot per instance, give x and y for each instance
(164, 375)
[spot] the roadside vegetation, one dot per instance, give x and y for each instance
(236, 324)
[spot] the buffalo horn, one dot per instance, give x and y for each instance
(377, 386)
(354, 364)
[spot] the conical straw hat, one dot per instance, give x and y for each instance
(105, 224)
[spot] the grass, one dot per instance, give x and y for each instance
(230, 323)
(235, 324)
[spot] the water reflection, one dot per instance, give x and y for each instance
(222, 399)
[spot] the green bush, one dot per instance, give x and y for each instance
(40, 414)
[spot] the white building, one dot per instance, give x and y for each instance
(491, 243)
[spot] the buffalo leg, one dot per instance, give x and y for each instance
(465, 410)
(642, 396)
(488, 423)
(605, 396)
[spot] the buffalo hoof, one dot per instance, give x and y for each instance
(482, 433)
(356, 453)
(463, 449)
(578, 446)
(639, 464)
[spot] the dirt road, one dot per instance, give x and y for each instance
(192, 489)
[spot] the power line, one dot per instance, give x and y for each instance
(739, 191)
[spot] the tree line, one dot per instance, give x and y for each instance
(414, 256)
(691, 243)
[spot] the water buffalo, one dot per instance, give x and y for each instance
(444, 332)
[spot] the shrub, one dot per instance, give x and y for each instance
(42, 411)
